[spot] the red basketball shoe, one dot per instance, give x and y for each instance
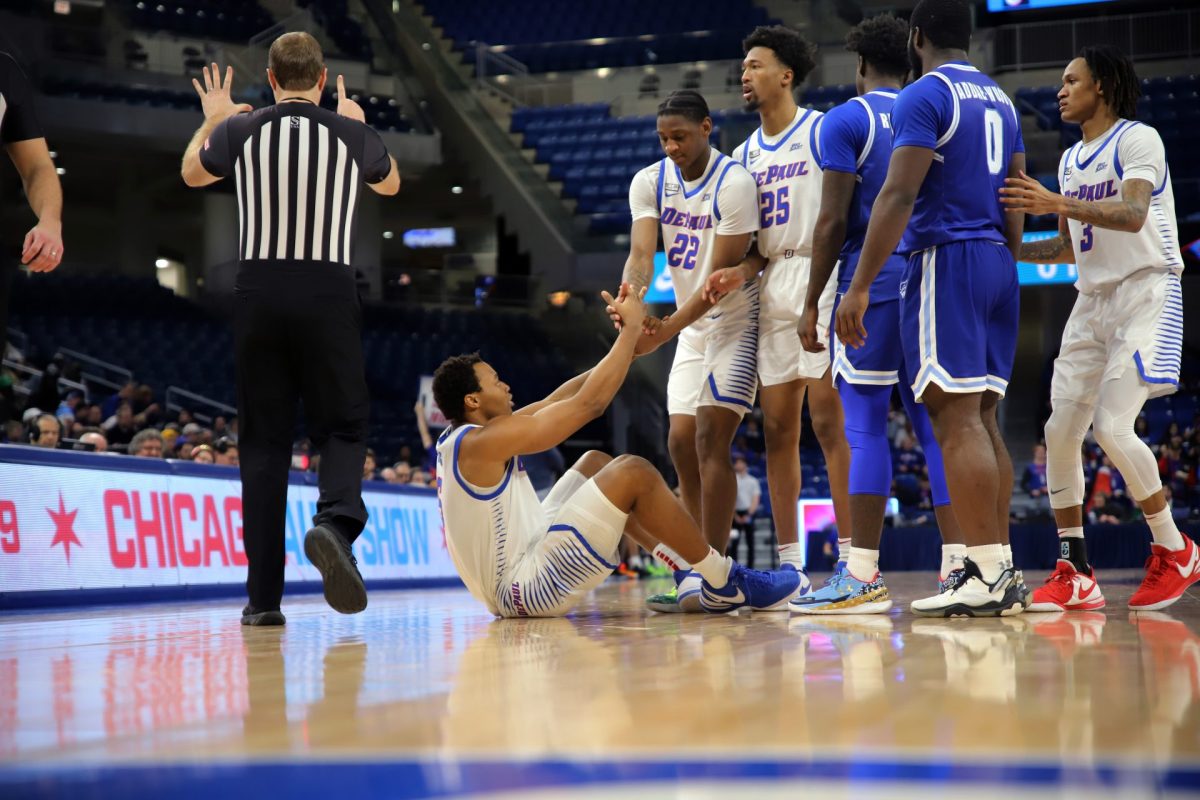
(1168, 575)
(1067, 589)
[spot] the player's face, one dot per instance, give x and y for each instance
(764, 78)
(682, 140)
(1079, 98)
(495, 398)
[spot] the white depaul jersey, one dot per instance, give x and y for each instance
(487, 529)
(787, 173)
(722, 202)
(1093, 172)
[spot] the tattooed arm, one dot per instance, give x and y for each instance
(1055, 250)
(1127, 214)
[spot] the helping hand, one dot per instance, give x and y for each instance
(216, 98)
(626, 308)
(1027, 195)
(721, 283)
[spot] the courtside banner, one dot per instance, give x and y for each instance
(72, 521)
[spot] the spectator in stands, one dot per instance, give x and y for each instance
(1142, 430)
(749, 494)
(203, 454)
(21, 136)
(544, 470)
(147, 443)
(1175, 471)
(220, 426)
(402, 471)
(185, 417)
(369, 466)
(69, 405)
(227, 451)
(121, 426)
(387, 475)
(419, 477)
(145, 410)
(9, 407)
(14, 432)
(406, 455)
(1104, 511)
(93, 440)
(1034, 479)
(111, 403)
(428, 441)
(46, 431)
(908, 459)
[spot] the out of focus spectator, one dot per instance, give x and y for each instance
(94, 440)
(428, 443)
(203, 454)
(387, 475)
(227, 451)
(220, 427)
(46, 431)
(403, 472)
(1034, 479)
(369, 466)
(406, 455)
(749, 494)
(147, 444)
(14, 431)
(121, 426)
(909, 460)
(544, 469)
(67, 408)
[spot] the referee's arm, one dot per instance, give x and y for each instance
(218, 105)
(381, 172)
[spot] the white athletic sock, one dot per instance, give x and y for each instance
(843, 549)
(863, 564)
(670, 558)
(952, 558)
(714, 568)
(1008, 559)
(1162, 528)
(990, 560)
(791, 554)
(1072, 533)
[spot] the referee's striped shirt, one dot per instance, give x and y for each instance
(298, 169)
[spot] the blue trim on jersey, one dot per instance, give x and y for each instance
(1088, 161)
(773, 147)
(712, 170)
(582, 541)
(461, 482)
(814, 144)
(662, 172)
(1137, 359)
(1121, 170)
(712, 384)
(717, 190)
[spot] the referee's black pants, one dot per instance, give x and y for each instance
(298, 335)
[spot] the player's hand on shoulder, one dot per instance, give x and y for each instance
(346, 107)
(721, 283)
(216, 96)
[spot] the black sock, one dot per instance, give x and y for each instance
(1074, 549)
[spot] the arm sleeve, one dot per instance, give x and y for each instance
(738, 202)
(921, 112)
(643, 194)
(215, 154)
(18, 122)
(843, 137)
(1141, 155)
(377, 164)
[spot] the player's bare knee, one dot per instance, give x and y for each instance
(781, 432)
(637, 470)
(591, 462)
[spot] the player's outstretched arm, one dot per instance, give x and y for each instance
(1055, 250)
(567, 390)
(829, 234)
(1023, 193)
(520, 434)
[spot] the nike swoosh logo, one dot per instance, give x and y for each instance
(1056, 491)
(1187, 571)
(716, 316)
(737, 598)
(1086, 596)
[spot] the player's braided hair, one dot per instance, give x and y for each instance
(793, 50)
(882, 41)
(946, 23)
(687, 103)
(1114, 71)
(452, 382)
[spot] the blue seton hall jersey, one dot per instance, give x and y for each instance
(856, 138)
(973, 129)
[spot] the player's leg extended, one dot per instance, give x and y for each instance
(829, 424)
(681, 443)
(781, 405)
(715, 427)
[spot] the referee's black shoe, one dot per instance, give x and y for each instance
(253, 616)
(331, 554)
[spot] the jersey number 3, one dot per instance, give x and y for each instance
(774, 208)
(993, 140)
(683, 253)
(1085, 243)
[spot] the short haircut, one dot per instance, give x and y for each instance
(1118, 80)
(687, 103)
(793, 50)
(452, 382)
(946, 23)
(882, 41)
(296, 61)
(143, 436)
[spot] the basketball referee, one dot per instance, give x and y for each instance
(297, 320)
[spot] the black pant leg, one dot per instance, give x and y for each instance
(267, 394)
(336, 408)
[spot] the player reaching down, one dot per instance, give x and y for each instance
(1123, 341)
(522, 557)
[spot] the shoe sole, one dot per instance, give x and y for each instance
(1161, 604)
(824, 609)
(344, 589)
(1053, 607)
(962, 610)
(265, 618)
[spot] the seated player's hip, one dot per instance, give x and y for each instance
(959, 314)
(716, 365)
(1134, 324)
(576, 554)
(879, 360)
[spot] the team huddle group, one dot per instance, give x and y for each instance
(836, 256)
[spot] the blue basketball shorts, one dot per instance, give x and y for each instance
(878, 361)
(959, 310)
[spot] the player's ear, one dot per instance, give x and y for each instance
(706, 126)
(862, 66)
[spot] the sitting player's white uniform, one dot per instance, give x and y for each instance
(1130, 307)
(518, 556)
(787, 173)
(716, 355)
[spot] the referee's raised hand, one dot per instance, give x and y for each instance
(346, 106)
(216, 97)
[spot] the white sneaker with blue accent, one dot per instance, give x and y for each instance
(750, 588)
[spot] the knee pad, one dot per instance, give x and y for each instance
(866, 409)
(1065, 430)
(1129, 454)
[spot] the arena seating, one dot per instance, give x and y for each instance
(547, 35)
(347, 33)
(227, 20)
